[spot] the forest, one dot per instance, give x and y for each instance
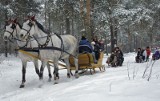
(128, 24)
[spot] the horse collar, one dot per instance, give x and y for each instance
(46, 43)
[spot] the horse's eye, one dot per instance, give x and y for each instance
(13, 26)
(30, 24)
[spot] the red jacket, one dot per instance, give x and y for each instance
(148, 52)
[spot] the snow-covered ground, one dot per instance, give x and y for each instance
(111, 85)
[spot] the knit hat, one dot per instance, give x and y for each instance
(93, 43)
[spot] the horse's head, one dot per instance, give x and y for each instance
(12, 28)
(28, 28)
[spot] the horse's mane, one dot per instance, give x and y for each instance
(19, 25)
(6, 24)
(41, 27)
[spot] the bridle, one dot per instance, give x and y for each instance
(28, 31)
(11, 33)
(12, 37)
(30, 24)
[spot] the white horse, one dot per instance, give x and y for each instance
(53, 46)
(11, 31)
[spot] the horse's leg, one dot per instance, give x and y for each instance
(36, 67)
(68, 67)
(56, 74)
(76, 64)
(24, 64)
(42, 69)
(41, 73)
(49, 71)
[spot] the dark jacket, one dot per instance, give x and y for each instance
(86, 43)
(139, 53)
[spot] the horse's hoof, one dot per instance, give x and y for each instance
(76, 75)
(68, 76)
(55, 83)
(56, 80)
(21, 86)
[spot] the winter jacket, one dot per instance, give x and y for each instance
(139, 53)
(148, 51)
(85, 43)
(156, 54)
(145, 53)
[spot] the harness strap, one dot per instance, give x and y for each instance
(36, 49)
(62, 45)
(55, 48)
(29, 49)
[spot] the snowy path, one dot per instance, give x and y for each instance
(111, 85)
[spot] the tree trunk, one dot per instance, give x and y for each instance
(67, 20)
(82, 13)
(115, 32)
(112, 37)
(129, 40)
(88, 19)
(45, 13)
(49, 22)
(6, 43)
(67, 26)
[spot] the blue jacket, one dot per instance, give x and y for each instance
(87, 43)
(156, 54)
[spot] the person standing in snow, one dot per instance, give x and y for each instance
(148, 53)
(139, 56)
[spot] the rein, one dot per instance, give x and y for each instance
(28, 31)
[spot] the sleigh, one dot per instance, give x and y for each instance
(85, 62)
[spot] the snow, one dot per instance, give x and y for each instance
(111, 85)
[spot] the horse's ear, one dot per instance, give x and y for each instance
(15, 20)
(33, 18)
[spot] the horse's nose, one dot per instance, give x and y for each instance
(21, 35)
(5, 37)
